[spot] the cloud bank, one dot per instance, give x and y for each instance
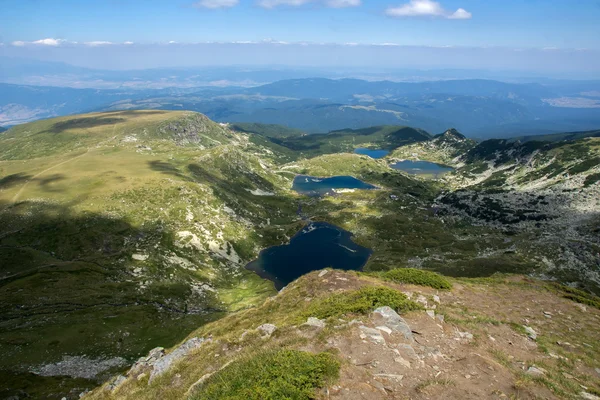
(426, 8)
(270, 4)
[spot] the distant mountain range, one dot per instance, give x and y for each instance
(479, 108)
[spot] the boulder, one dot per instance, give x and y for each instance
(315, 323)
(266, 330)
(163, 364)
(392, 320)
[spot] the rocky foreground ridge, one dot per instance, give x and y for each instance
(505, 337)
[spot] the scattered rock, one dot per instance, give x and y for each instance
(163, 364)
(464, 335)
(436, 298)
(80, 367)
(323, 273)
(266, 330)
(315, 323)
(530, 332)
(393, 321)
(581, 307)
(400, 360)
(422, 300)
(390, 376)
(407, 350)
(140, 257)
(536, 371)
(384, 329)
(588, 396)
(373, 334)
(431, 313)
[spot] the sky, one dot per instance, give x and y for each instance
(524, 34)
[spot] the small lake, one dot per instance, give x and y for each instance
(372, 153)
(314, 186)
(422, 168)
(318, 245)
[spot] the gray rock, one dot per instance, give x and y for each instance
(407, 350)
(266, 330)
(323, 273)
(395, 322)
(436, 298)
(530, 332)
(163, 364)
(588, 396)
(148, 361)
(112, 386)
(373, 334)
(431, 313)
(315, 323)
(80, 367)
(536, 371)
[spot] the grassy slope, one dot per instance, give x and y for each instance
(80, 196)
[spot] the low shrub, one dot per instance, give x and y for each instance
(417, 277)
(272, 375)
(361, 301)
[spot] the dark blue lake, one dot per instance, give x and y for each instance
(422, 168)
(318, 245)
(313, 186)
(372, 153)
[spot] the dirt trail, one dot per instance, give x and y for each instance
(16, 196)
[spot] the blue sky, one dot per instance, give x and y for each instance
(520, 23)
(28, 25)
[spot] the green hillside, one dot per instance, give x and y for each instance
(124, 231)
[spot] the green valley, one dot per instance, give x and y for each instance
(124, 231)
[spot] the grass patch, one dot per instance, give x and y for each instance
(283, 374)
(361, 301)
(417, 277)
(577, 295)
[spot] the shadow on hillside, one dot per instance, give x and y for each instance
(138, 113)
(46, 182)
(168, 169)
(83, 123)
(66, 288)
(9, 181)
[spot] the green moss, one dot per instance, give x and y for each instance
(283, 374)
(361, 301)
(417, 277)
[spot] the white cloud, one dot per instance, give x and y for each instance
(215, 4)
(128, 43)
(98, 43)
(461, 13)
(297, 3)
(41, 42)
(426, 8)
(49, 42)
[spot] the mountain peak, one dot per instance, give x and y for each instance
(453, 133)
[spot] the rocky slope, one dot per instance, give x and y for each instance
(496, 338)
(443, 148)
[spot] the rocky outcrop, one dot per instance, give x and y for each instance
(157, 362)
